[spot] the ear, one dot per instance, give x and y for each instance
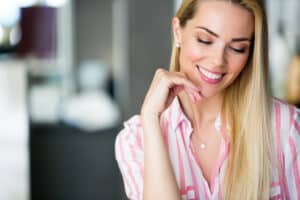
(176, 30)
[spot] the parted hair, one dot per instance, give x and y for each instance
(246, 110)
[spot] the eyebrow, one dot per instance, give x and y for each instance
(216, 35)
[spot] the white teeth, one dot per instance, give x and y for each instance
(209, 74)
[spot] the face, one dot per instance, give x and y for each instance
(214, 45)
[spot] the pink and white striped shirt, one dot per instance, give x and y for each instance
(177, 130)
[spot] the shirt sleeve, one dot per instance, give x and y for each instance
(292, 156)
(130, 157)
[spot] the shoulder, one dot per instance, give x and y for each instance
(133, 125)
(286, 123)
(284, 114)
(129, 156)
(131, 134)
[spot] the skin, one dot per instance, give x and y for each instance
(218, 39)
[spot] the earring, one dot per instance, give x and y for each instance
(177, 45)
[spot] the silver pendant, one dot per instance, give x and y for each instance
(202, 146)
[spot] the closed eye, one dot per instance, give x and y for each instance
(204, 41)
(238, 50)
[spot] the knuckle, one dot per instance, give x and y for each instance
(182, 75)
(164, 78)
(161, 73)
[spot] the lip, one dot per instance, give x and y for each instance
(209, 80)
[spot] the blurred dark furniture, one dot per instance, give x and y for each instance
(38, 25)
(69, 164)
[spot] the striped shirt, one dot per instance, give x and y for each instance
(176, 129)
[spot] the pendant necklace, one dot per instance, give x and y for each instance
(203, 145)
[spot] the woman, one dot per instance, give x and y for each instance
(208, 128)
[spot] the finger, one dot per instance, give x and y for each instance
(195, 91)
(182, 75)
(173, 79)
(196, 95)
(191, 93)
(181, 81)
(178, 89)
(192, 97)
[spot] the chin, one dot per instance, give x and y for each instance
(209, 93)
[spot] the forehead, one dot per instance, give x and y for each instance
(224, 18)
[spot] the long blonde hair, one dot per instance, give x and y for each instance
(246, 108)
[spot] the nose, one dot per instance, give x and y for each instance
(218, 56)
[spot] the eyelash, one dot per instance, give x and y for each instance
(208, 43)
(238, 50)
(203, 41)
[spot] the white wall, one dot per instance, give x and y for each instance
(14, 170)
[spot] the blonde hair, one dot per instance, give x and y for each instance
(246, 108)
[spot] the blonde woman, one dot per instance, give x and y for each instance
(208, 128)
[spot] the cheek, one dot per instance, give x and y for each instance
(190, 54)
(237, 65)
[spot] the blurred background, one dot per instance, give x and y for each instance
(71, 71)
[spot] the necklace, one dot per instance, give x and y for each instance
(202, 144)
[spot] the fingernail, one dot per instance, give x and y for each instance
(198, 97)
(192, 97)
(194, 89)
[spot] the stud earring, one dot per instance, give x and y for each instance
(177, 45)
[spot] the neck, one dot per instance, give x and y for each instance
(202, 113)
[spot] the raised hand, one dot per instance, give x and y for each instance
(164, 87)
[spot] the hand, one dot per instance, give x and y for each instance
(164, 87)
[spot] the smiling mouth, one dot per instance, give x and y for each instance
(210, 77)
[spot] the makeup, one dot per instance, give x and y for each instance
(210, 77)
